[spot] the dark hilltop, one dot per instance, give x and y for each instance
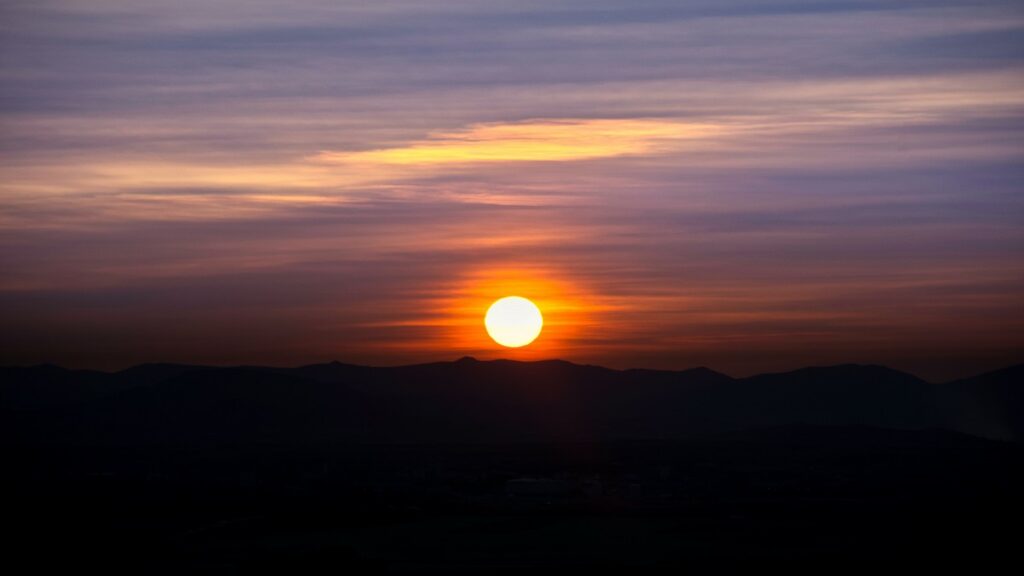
(504, 466)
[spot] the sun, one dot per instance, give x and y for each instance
(513, 321)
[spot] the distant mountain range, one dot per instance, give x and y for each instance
(471, 401)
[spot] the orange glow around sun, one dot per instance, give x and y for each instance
(451, 316)
(566, 309)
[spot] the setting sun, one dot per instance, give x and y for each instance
(513, 321)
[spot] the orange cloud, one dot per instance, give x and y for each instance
(531, 141)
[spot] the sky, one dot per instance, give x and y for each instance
(752, 185)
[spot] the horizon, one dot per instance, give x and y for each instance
(519, 361)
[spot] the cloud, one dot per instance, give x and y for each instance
(746, 184)
(557, 140)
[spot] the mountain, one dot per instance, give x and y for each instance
(990, 405)
(503, 467)
(471, 401)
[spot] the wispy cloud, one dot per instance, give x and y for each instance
(557, 140)
(747, 185)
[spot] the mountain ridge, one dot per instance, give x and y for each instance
(1013, 368)
(495, 400)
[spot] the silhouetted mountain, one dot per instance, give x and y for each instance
(48, 385)
(474, 401)
(498, 467)
(152, 373)
(990, 405)
(847, 395)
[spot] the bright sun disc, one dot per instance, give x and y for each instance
(513, 321)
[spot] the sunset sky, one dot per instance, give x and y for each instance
(748, 185)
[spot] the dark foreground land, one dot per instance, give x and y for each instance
(189, 470)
